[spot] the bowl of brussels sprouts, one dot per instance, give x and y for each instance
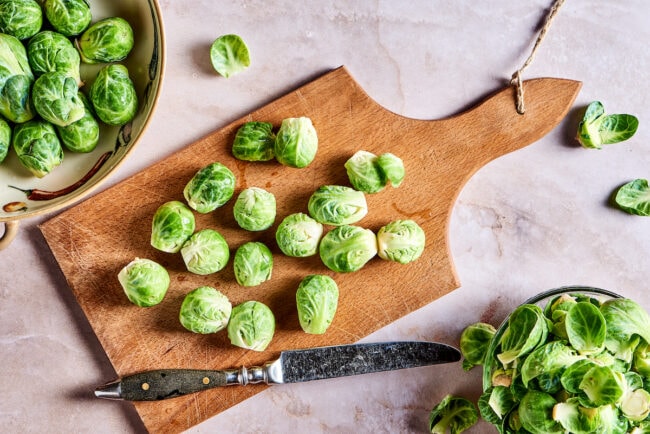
(79, 82)
(574, 359)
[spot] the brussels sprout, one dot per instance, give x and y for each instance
(400, 241)
(253, 264)
(635, 405)
(298, 235)
(20, 18)
(211, 187)
(5, 139)
(453, 414)
(205, 252)
(254, 141)
(229, 55)
(474, 342)
(337, 205)
(37, 146)
(251, 326)
(16, 79)
(81, 135)
(634, 197)
(205, 310)
(364, 173)
(108, 40)
(56, 98)
(393, 168)
(144, 281)
(527, 328)
(113, 95)
(52, 52)
(316, 298)
(68, 17)
(597, 128)
(172, 225)
(296, 143)
(254, 209)
(347, 248)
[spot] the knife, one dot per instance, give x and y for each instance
(293, 366)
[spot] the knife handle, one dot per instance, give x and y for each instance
(162, 384)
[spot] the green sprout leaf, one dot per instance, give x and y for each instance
(598, 128)
(229, 55)
(634, 197)
(453, 414)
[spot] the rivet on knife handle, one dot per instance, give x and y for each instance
(162, 384)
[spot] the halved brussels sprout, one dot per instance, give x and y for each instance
(81, 135)
(205, 310)
(205, 252)
(211, 187)
(253, 263)
(254, 141)
(16, 79)
(229, 55)
(393, 168)
(108, 40)
(113, 95)
(5, 139)
(347, 248)
(400, 241)
(37, 146)
(145, 282)
(50, 51)
(251, 326)
(254, 209)
(296, 142)
(56, 98)
(337, 205)
(172, 225)
(316, 299)
(298, 235)
(20, 18)
(68, 17)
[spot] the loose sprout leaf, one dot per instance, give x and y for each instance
(603, 385)
(549, 358)
(453, 414)
(229, 55)
(527, 328)
(634, 197)
(535, 413)
(474, 343)
(598, 128)
(625, 318)
(393, 168)
(585, 326)
(617, 128)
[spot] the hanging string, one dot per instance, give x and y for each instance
(516, 77)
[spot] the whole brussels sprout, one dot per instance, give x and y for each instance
(81, 135)
(68, 17)
(253, 263)
(16, 79)
(254, 209)
(113, 95)
(205, 252)
(56, 98)
(317, 298)
(211, 187)
(144, 281)
(108, 40)
(37, 146)
(254, 141)
(20, 18)
(347, 248)
(205, 310)
(5, 139)
(173, 224)
(298, 235)
(50, 51)
(251, 326)
(337, 205)
(296, 143)
(400, 241)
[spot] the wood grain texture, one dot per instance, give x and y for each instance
(95, 239)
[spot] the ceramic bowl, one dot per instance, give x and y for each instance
(22, 195)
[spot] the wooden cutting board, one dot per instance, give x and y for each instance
(94, 240)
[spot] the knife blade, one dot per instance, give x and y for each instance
(293, 366)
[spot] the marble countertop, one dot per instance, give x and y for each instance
(532, 220)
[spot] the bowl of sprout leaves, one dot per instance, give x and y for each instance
(570, 360)
(79, 82)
